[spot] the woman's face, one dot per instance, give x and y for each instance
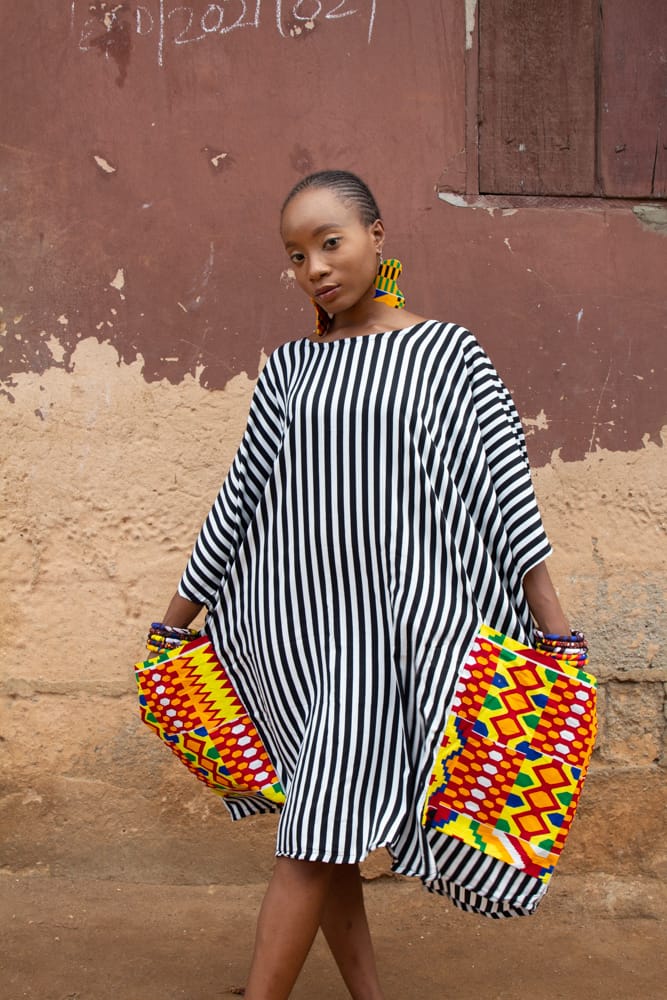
(333, 254)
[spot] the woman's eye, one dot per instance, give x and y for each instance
(296, 258)
(332, 242)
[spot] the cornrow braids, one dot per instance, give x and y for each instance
(346, 185)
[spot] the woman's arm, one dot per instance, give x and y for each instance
(181, 612)
(543, 601)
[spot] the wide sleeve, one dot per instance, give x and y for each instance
(241, 491)
(506, 458)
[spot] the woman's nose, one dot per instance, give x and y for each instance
(318, 266)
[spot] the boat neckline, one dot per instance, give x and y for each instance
(367, 336)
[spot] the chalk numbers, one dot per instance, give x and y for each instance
(217, 19)
(310, 10)
(184, 24)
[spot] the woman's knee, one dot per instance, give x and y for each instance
(305, 872)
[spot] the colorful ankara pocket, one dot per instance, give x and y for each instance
(516, 747)
(187, 699)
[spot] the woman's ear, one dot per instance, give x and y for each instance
(377, 232)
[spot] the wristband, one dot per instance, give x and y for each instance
(572, 648)
(162, 637)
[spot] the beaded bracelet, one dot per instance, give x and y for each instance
(162, 637)
(572, 647)
(575, 640)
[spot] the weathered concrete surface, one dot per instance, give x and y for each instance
(64, 940)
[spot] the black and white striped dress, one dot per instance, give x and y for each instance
(379, 509)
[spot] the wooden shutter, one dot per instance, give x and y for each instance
(537, 97)
(633, 98)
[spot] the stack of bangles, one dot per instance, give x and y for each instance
(163, 638)
(572, 648)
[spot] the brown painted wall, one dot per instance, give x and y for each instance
(143, 161)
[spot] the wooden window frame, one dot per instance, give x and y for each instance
(472, 196)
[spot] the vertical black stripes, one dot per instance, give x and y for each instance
(378, 510)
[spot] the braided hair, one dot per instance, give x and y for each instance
(346, 185)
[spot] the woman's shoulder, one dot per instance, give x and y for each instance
(284, 360)
(456, 335)
(455, 348)
(284, 352)
(433, 327)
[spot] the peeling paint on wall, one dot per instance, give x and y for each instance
(471, 9)
(653, 217)
(56, 348)
(533, 424)
(179, 205)
(118, 281)
(104, 164)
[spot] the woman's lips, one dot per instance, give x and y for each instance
(327, 293)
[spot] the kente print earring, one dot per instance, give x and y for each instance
(386, 283)
(322, 320)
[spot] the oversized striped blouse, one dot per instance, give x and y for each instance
(378, 510)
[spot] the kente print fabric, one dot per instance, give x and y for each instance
(515, 751)
(186, 698)
(379, 509)
(386, 284)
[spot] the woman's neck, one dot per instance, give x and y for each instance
(366, 318)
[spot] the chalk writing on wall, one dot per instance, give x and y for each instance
(170, 25)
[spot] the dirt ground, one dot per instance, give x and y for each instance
(85, 940)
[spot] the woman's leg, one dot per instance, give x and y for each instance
(288, 921)
(345, 927)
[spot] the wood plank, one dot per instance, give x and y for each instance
(537, 97)
(633, 99)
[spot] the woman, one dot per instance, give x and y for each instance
(378, 510)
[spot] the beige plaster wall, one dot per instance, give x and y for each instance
(105, 481)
